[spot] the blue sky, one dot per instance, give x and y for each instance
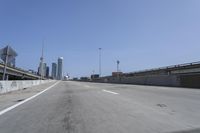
(141, 34)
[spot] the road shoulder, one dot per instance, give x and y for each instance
(12, 98)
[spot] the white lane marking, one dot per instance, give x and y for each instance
(28, 99)
(110, 92)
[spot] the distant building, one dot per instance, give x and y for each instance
(75, 79)
(42, 69)
(12, 63)
(8, 54)
(32, 71)
(84, 79)
(54, 71)
(60, 68)
(66, 78)
(47, 71)
(95, 76)
(115, 74)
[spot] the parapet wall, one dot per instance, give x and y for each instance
(191, 80)
(161, 80)
(8, 86)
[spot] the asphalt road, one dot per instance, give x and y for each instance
(75, 107)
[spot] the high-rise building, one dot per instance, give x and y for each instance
(47, 72)
(42, 69)
(60, 68)
(54, 71)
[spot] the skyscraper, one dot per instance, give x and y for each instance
(60, 68)
(54, 71)
(42, 69)
(47, 72)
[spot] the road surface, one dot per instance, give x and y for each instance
(79, 107)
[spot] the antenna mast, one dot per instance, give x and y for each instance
(41, 61)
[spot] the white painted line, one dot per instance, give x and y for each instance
(28, 99)
(110, 92)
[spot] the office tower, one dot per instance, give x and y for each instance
(42, 69)
(54, 71)
(60, 68)
(47, 72)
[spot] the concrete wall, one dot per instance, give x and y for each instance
(160, 80)
(7, 86)
(191, 80)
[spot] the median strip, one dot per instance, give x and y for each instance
(110, 92)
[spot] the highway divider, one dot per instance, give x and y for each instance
(8, 86)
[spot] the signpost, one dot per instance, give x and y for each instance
(7, 54)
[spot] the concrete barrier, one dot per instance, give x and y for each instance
(159, 80)
(8, 86)
(191, 80)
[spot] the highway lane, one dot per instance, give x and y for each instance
(78, 107)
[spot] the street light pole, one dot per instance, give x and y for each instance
(118, 65)
(5, 63)
(100, 62)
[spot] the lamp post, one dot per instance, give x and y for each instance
(100, 62)
(5, 63)
(118, 65)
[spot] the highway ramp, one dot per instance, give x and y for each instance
(80, 107)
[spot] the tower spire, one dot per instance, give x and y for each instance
(41, 61)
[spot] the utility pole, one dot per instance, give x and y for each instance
(118, 69)
(100, 62)
(5, 63)
(118, 65)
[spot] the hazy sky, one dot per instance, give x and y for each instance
(140, 33)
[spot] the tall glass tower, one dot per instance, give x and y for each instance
(54, 71)
(60, 68)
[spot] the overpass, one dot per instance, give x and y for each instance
(18, 73)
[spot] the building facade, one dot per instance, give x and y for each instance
(60, 68)
(47, 72)
(42, 69)
(54, 71)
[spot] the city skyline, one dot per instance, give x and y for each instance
(141, 34)
(56, 69)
